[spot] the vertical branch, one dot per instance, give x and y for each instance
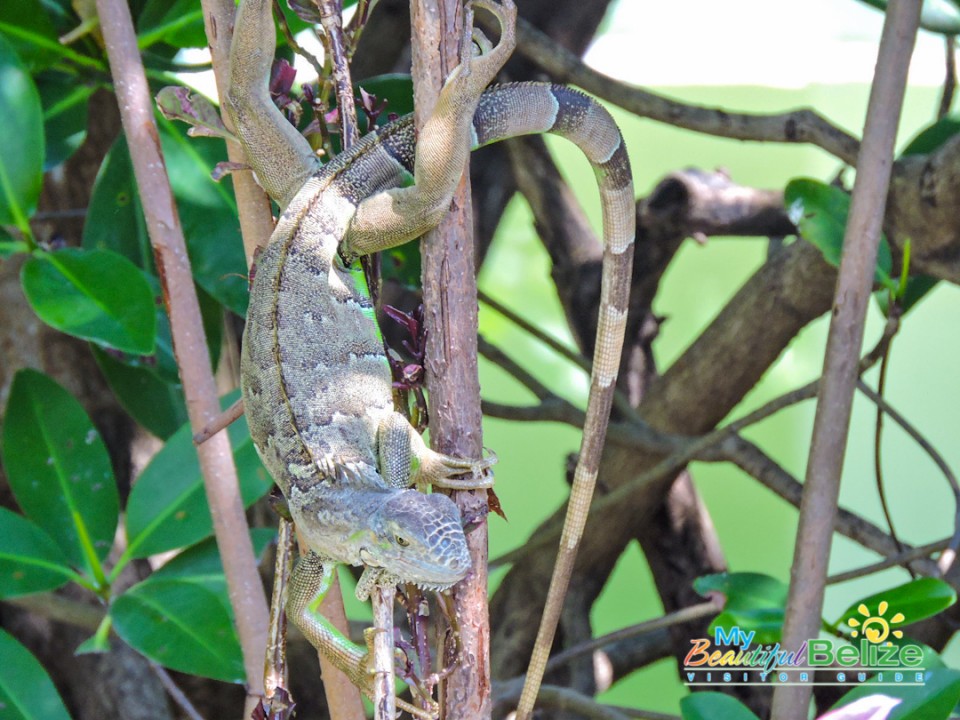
(166, 236)
(855, 280)
(450, 299)
(256, 218)
(384, 694)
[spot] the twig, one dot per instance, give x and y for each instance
(174, 691)
(163, 226)
(950, 79)
(292, 41)
(332, 22)
(678, 617)
(854, 283)
(901, 558)
(799, 126)
(275, 674)
(947, 558)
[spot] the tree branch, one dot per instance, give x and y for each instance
(799, 126)
(854, 284)
(163, 226)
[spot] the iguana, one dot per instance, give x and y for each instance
(316, 384)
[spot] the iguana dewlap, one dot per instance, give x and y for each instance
(316, 384)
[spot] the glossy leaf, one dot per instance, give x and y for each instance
(175, 22)
(915, 600)
(744, 590)
(155, 404)
(766, 622)
(182, 626)
(931, 701)
(58, 468)
(714, 706)
(932, 137)
(21, 162)
(201, 564)
(820, 212)
(26, 691)
(29, 560)
(168, 509)
(96, 295)
(64, 104)
(27, 25)
(207, 213)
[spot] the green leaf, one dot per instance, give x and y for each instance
(820, 212)
(26, 692)
(933, 700)
(714, 706)
(932, 137)
(155, 404)
(182, 626)
(201, 564)
(939, 16)
(744, 590)
(168, 509)
(767, 623)
(59, 470)
(915, 600)
(29, 560)
(175, 22)
(207, 213)
(64, 116)
(96, 295)
(33, 24)
(21, 162)
(394, 88)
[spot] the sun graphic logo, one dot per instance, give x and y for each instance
(876, 628)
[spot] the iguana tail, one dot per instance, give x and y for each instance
(525, 108)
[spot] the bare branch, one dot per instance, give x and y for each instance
(193, 360)
(799, 126)
(855, 281)
(900, 559)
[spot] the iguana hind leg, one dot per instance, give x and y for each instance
(406, 460)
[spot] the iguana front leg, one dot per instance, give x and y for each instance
(405, 460)
(395, 216)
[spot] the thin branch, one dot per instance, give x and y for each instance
(292, 41)
(900, 559)
(854, 284)
(799, 126)
(947, 558)
(950, 79)
(175, 693)
(753, 461)
(678, 617)
(163, 225)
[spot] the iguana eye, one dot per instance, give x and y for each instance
(401, 541)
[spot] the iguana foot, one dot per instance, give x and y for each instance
(406, 460)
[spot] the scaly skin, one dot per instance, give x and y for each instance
(316, 385)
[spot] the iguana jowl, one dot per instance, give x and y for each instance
(316, 384)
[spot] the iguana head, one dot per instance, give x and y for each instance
(419, 539)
